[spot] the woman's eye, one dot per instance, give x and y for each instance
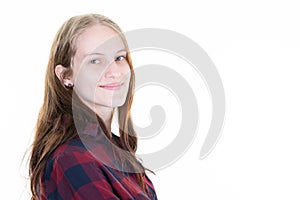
(120, 58)
(95, 61)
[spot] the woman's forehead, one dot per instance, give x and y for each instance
(99, 39)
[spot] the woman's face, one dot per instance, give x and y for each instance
(101, 73)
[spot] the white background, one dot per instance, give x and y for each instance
(255, 47)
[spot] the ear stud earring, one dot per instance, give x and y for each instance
(70, 85)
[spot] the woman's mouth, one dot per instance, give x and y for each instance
(112, 86)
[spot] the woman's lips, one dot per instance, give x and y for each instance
(112, 86)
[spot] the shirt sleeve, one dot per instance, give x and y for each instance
(73, 176)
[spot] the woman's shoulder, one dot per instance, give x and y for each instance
(71, 152)
(84, 151)
(71, 146)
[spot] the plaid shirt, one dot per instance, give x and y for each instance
(73, 172)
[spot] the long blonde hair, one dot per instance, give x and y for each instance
(57, 103)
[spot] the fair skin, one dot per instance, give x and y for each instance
(101, 73)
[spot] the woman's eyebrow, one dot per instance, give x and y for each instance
(121, 50)
(93, 53)
(99, 53)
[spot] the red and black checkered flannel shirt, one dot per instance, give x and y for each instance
(73, 172)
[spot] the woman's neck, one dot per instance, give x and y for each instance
(106, 114)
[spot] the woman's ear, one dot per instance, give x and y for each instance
(59, 72)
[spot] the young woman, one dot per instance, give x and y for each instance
(75, 155)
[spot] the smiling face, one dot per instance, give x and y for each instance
(101, 73)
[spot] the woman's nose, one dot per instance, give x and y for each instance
(113, 71)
